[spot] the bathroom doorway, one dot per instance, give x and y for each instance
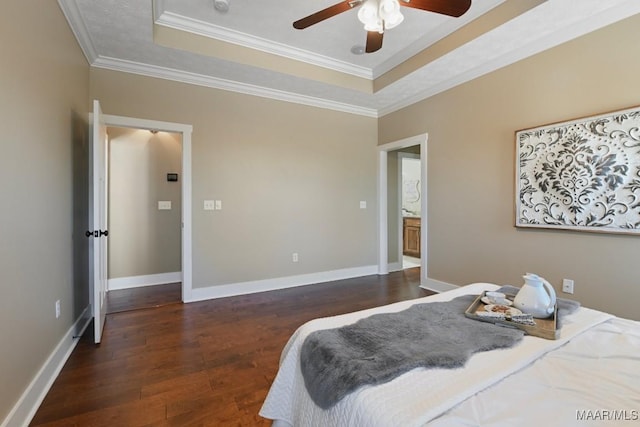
(409, 179)
(389, 208)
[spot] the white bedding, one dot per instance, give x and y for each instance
(446, 397)
(594, 375)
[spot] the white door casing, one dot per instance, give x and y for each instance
(383, 235)
(185, 130)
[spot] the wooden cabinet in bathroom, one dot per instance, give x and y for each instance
(411, 236)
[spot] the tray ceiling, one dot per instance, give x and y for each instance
(254, 49)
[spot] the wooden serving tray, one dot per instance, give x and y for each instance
(544, 328)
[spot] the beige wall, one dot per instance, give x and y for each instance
(143, 239)
(471, 169)
(290, 178)
(44, 105)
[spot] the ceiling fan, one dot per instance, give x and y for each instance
(380, 15)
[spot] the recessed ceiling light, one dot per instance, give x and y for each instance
(357, 49)
(221, 6)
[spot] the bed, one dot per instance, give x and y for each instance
(589, 376)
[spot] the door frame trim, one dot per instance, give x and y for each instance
(383, 235)
(185, 130)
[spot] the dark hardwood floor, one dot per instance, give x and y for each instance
(208, 363)
(144, 297)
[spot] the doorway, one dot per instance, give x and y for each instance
(144, 218)
(184, 182)
(409, 204)
(390, 216)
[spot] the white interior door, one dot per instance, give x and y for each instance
(98, 219)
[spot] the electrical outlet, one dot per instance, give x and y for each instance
(294, 257)
(363, 204)
(567, 286)
(209, 205)
(57, 309)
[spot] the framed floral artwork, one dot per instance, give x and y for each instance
(581, 175)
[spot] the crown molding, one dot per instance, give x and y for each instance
(79, 29)
(229, 85)
(206, 29)
(410, 85)
(539, 45)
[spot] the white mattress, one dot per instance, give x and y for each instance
(529, 382)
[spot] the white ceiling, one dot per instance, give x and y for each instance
(119, 35)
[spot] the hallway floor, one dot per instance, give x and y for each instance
(144, 297)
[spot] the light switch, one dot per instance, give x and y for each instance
(218, 205)
(363, 204)
(209, 205)
(164, 205)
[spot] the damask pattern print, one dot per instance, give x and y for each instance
(582, 175)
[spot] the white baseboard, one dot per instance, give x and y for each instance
(26, 407)
(436, 285)
(394, 266)
(221, 291)
(146, 280)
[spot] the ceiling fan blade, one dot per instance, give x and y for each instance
(454, 8)
(323, 14)
(374, 41)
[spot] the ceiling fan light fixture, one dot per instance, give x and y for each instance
(394, 21)
(388, 8)
(378, 15)
(376, 26)
(389, 11)
(368, 13)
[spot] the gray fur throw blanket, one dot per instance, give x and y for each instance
(376, 349)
